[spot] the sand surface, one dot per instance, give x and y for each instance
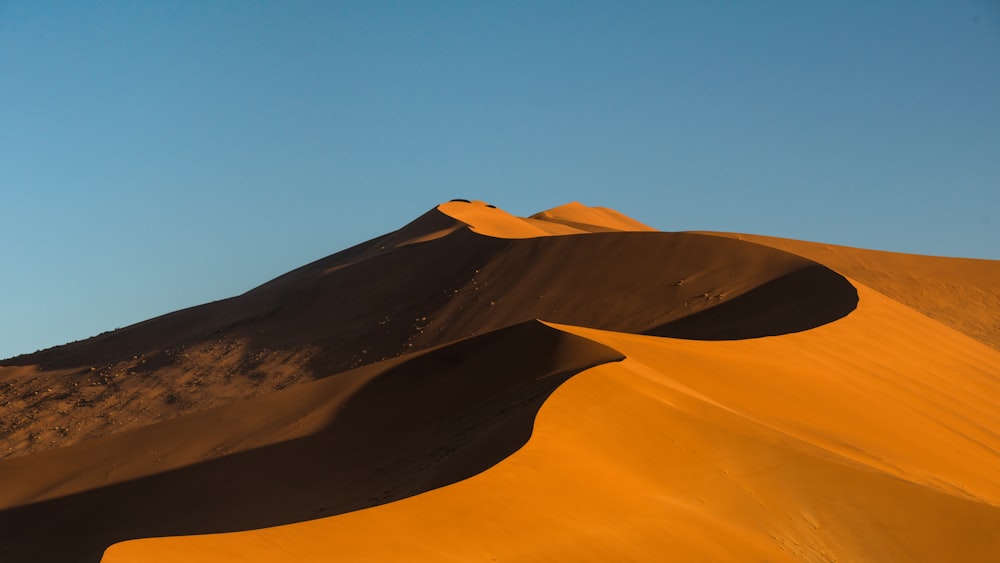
(569, 386)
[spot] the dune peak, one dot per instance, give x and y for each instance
(571, 218)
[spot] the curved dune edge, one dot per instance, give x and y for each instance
(355, 440)
(791, 293)
(870, 438)
(962, 293)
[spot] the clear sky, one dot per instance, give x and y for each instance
(158, 155)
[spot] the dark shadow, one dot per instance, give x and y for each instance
(804, 299)
(433, 420)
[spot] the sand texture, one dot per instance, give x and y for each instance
(568, 386)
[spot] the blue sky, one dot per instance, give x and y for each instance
(158, 155)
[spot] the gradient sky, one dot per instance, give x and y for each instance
(158, 155)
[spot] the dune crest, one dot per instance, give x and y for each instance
(591, 219)
(568, 219)
(478, 386)
(491, 221)
(433, 281)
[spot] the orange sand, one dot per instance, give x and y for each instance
(799, 416)
(855, 441)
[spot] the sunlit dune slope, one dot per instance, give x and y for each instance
(444, 276)
(593, 219)
(873, 438)
(963, 293)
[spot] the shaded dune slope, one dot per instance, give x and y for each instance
(432, 282)
(361, 438)
(797, 301)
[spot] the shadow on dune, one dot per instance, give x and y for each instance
(801, 300)
(432, 420)
(430, 283)
(440, 283)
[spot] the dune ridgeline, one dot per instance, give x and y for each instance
(570, 386)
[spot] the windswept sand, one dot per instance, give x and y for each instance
(688, 397)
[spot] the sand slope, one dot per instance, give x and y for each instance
(688, 397)
(850, 442)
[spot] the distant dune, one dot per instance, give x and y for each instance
(572, 385)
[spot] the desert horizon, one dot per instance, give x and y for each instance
(570, 385)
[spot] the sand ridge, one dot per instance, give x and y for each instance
(479, 386)
(436, 280)
(569, 219)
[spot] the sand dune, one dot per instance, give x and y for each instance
(683, 396)
(802, 447)
(432, 282)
